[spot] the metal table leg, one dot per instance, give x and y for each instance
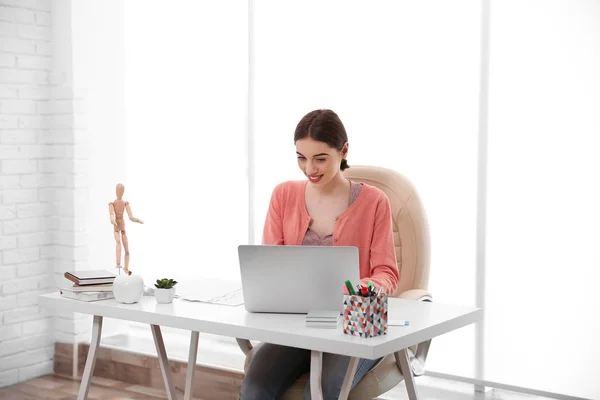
(163, 362)
(90, 362)
(402, 362)
(350, 372)
(316, 366)
(191, 367)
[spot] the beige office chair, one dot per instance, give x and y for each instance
(411, 237)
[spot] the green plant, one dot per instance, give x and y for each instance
(165, 283)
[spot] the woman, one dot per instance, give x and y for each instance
(324, 210)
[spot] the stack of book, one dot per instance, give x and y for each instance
(89, 285)
(322, 319)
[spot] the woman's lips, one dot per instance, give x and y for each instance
(315, 179)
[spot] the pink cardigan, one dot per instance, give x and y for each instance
(366, 224)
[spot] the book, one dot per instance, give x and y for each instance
(87, 296)
(322, 319)
(107, 287)
(325, 325)
(322, 316)
(92, 277)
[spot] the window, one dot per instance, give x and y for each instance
(543, 216)
(185, 80)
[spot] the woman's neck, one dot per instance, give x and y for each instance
(339, 184)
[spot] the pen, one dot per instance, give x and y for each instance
(360, 290)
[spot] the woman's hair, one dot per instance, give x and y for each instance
(324, 126)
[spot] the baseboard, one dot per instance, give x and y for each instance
(143, 369)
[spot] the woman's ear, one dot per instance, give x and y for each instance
(345, 150)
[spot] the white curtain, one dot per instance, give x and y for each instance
(403, 77)
(543, 264)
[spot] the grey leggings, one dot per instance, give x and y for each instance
(274, 369)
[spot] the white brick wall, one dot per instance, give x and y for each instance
(37, 167)
(52, 218)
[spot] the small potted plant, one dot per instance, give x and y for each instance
(165, 290)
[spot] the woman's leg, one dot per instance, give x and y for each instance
(334, 371)
(273, 370)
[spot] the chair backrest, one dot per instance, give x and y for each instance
(411, 229)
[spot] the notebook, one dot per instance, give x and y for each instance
(92, 277)
(322, 316)
(322, 319)
(90, 288)
(87, 296)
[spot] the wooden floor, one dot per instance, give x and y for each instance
(61, 388)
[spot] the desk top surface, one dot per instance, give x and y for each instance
(427, 320)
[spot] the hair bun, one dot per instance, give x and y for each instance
(344, 164)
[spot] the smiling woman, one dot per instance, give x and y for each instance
(325, 210)
(318, 129)
(321, 146)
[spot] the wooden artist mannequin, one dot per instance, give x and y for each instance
(116, 210)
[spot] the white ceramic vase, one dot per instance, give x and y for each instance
(128, 288)
(164, 296)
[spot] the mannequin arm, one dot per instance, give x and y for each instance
(111, 212)
(131, 217)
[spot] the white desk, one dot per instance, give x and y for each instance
(427, 320)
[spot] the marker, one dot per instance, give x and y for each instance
(350, 288)
(346, 290)
(364, 291)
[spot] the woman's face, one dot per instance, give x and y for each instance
(319, 162)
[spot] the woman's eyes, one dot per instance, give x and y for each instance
(304, 158)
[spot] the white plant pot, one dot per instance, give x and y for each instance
(164, 295)
(128, 288)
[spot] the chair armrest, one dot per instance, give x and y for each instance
(416, 294)
(245, 345)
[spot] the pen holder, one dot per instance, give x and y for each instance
(365, 316)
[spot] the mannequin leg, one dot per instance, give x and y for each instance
(126, 246)
(118, 241)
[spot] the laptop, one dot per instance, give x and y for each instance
(296, 279)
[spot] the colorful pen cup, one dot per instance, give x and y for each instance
(365, 316)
